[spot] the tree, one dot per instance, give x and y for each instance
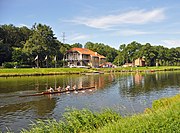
(119, 60)
(5, 52)
(105, 50)
(77, 45)
(129, 52)
(42, 43)
(12, 37)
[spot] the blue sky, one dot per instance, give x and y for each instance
(112, 22)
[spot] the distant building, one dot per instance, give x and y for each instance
(136, 62)
(139, 62)
(82, 57)
(107, 65)
(128, 65)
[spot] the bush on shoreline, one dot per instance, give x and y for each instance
(75, 121)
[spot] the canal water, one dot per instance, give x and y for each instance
(124, 93)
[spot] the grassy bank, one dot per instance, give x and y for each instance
(140, 69)
(164, 116)
(58, 71)
(41, 71)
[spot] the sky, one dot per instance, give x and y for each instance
(111, 22)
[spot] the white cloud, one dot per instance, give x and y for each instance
(77, 37)
(171, 43)
(131, 17)
(131, 33)
(21, 25)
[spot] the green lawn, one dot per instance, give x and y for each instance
(52, 71)
(161, 68)
(41, 71)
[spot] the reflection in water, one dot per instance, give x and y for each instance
(125, 93)
(136, 84)
(42, 106)
(18, 111)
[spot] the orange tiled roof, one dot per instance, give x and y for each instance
(87, 51)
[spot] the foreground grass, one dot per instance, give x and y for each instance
(58, 71)
(164, 116)
(75, 121)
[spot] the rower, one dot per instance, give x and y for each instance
(67, 88)
(50, 89)
(74, 87)
(59, 88)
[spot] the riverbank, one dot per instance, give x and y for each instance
(60, 71)
(41, 71)
(162, 117)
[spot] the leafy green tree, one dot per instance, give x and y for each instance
(173, 56)
(105, 50)
(22, 45)
(5, 52)
(119, 60)
(77, 45)
(19, 56)
(12, 37)
(42, 43)
(147, 52)
(178, 56)
(130, 52)
(64, 48)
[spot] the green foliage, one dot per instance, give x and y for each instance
(22, 45)
(75, 121)
(9, 64)
(152, 54)
(5, 52)
(161, 119)
(119, 60)
(105, 50)
(165, 102)
(128, 53)
(11, 37)
(42, 43)
(77, 45)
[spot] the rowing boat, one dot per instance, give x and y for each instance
(54, 92)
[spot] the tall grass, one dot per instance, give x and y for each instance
(163, 117)
(75, 121)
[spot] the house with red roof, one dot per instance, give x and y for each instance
(81, 57)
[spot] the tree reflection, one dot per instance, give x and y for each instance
(45, 106)
(136, 84)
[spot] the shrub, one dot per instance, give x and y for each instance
(75, 121)
(9, 64)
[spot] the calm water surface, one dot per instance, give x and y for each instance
(125, 93)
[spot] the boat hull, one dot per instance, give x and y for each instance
(55, 92)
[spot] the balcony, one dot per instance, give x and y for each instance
(76, 59)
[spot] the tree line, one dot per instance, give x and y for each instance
(19, 46)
